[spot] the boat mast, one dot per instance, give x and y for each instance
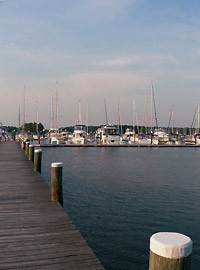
(119, 119)
(105, 112)
(135, 117)
(36, 116)
(171, 119)
(192, 129)
(56, 107)
(197, 120)
(19, 119)
(52, 112)
(154, 103)
(79, 113)
(151, 107)
(87, 116)
(145, 116)
(23, 119)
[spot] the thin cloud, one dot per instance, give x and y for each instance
(147, 60)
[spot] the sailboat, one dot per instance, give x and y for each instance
(173, 136)
(108, 134)
(152, 138)
(194, 136)
(130, 135)
(79, 135)
(54, 130)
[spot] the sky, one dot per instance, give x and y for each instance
(99, 49)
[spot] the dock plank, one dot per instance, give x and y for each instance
(35, 233)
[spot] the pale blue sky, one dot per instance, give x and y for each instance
(97, 49)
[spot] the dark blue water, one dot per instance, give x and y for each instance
(119, 197)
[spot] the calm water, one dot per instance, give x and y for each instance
(119, 197)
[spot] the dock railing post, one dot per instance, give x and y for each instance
(170, 251)
(31, 152)
(27, 147)
(37, 160)
(56, 182)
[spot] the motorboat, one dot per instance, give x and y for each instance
(130, 136)
(79, 135)
(108, 134)
(163, 137)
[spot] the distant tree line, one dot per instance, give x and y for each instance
(28, 127)
(32, 127)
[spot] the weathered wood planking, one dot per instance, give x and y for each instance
(35, 233)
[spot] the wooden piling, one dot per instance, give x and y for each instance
(37, 160)
(27, 147)
(170, 251)
(31, 152)
(151, 138)
(56, 182)
(22, 145)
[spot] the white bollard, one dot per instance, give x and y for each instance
(170, 251)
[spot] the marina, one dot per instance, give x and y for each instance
(99, 135)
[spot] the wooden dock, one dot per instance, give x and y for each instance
(35, 233)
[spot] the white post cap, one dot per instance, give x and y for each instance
(171, 245)
(56, 164)
(31, 145)
(38, 150)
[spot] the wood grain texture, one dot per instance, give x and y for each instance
(35, 233)
(157, 262)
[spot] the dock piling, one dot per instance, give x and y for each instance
(56, 182)
(31, 152)
(27, 147)
(22, 145)
(37, 160)
(170, 251)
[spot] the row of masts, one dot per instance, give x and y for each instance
(54, 123)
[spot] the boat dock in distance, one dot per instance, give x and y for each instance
(35, 232)
(115, 145)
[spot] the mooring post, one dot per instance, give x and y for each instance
(37, 160)
(31, 152)
(56, 182)
(22, 144)
(170, 251)
(151, 138)
(27, 147)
